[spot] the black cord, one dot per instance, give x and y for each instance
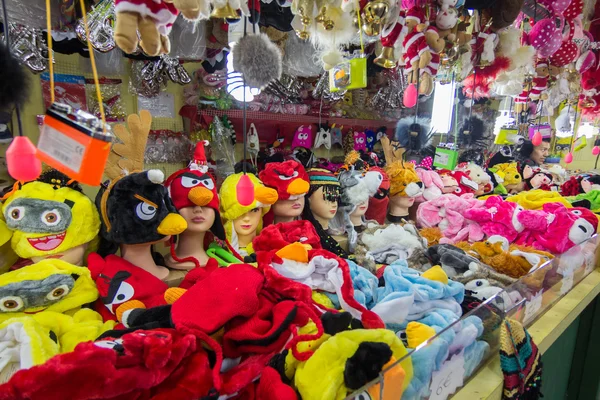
(244, 133)
(7, 39)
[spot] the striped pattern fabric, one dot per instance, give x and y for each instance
(521, 363)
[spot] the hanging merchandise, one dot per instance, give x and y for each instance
(323, 137)
(28, 46)
(223, 151)
(253, 144)
(100, 20)
(257, 59)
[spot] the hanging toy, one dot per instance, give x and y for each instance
(323, 138)
(151, 19)
(257, 59)
(336, 135)
(360, 141)
(253, 144)
(371, 139)
(303, 137)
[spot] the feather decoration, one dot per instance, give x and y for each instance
(475, 136)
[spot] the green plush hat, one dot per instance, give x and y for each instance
(231, 209)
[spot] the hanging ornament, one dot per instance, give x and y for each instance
(410, 96)
(596, 150)
(537, 138)
(569, 158)
(21, 161)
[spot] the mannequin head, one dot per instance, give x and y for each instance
(359, 212)
(246, 226)
(323, 197)
(199, 219)
(233, 211)
(405, 186)
(290, 180)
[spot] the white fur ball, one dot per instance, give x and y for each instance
(258, 59)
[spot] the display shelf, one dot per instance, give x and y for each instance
(543, 300)
(487, 383)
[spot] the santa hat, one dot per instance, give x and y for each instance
(416, 14)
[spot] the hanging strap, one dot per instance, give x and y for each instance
(362, 45)
(92, 59)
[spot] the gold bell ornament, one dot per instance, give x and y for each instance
(376, 13)
(224, 12)
(389, 37)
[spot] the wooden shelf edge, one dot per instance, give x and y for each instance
(487, 383)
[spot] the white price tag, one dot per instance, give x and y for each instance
(441, 158)
(532, 307)
(69, 152)
(567, 284)
(449, 378)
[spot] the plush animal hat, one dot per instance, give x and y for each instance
(354, 191)
(289, 178)
(50, 216)
(303, 137)
(231, 209)
(378, 202)
(404, 180)
(134, 206)
(195, 186)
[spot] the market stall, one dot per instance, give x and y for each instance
(300, 199)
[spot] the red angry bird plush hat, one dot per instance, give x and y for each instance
(195, 186)
(289, 178)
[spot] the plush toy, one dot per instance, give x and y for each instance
(123, 286)
(447, 213)
(153, 21)
(478, 175)
(289, 178)
(536, 178)
(231, 209)
(557, 228)
(495, 253)
(257, 58)
(432, 184)
(303, 137)
(360, 141)
(404, 180)
(378, 203)
(416, 52)
(384, 244)
(535, 199)
(47, 299)
(349, 360)
(323, 138)
(507, 176)
(453, 260)
(53, 219)
(497, 217)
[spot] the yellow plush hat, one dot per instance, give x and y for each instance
(404, 180)
(535, 199)
(49, 285)
(322, 376)
(231, 209)
(46, 220)
(508, 172)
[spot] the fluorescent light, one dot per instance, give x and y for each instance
(587, 130)
(443, 104)
(234, 84)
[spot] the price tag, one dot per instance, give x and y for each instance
(532, 307)
(567, 284)
(449, 378)
(67, 151)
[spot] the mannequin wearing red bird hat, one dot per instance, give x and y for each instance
(194, 194)
(290, 180)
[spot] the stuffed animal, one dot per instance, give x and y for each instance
(536, 178)
(52, 219)
(303, 137)
(152, 19)
(378, 202)
(404, 180)
(453, 260)
(495, 254)
(557, 228)
(535, 199)
(45, 300)
(478, 175)
(323, 138)
(497, 217)
(360, 141)
(416, 52)
(508, 178)
(432, 183)
(384, 244)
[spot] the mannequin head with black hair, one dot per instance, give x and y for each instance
(534, 156)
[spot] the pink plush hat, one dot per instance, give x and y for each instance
(432, 184)
(566, 54)
(497, 217)
(545, 37)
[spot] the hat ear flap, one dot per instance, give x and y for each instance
(217, 228)
(366, 364)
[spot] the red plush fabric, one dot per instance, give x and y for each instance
(270, 387)
(119, 281)
(276, 237)
(197, 274)
(281, 175)
(131, 369)
(377, 209)
(572, 187)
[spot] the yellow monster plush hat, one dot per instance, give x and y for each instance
(50, 219)
(49, 285)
